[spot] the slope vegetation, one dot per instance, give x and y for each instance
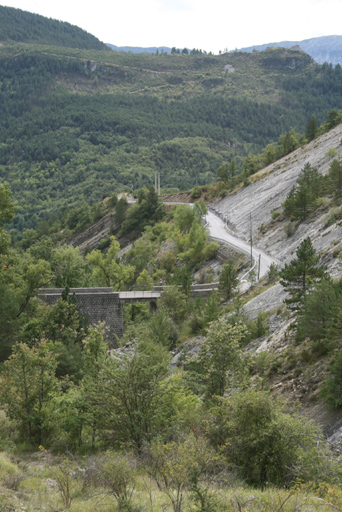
(303, 360)
(25, 27)
(80, 124)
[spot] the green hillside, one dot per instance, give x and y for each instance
(81, 124)
(25, 27)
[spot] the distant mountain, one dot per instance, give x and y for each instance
(322, 49)
(139, 49)
(24, 27)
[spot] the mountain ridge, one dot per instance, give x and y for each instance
(322, 49)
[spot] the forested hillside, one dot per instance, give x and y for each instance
(81, 124)
(25, 27)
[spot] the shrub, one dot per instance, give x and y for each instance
(331, 153)
(257, 435)
(117, 473)
(290, 229)
(175, 466)
(196, 193)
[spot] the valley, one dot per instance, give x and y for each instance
(227, 400)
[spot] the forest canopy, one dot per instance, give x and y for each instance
(78, 125)
(26, 27)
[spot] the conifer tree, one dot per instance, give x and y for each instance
(311, 128)
(301, 199)
(228, 280)
(335, 176)
(299, 276)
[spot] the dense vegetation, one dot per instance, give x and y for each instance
(185, 437)
(187, 431)
(78, 125)
(25, 27)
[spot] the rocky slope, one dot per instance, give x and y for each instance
(268, 191)
(297, 379)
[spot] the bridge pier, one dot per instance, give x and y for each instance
(102, 305)
(97, 304)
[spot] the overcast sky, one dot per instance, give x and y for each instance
(210, 25)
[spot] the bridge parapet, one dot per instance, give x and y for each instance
(139, 296)
(195, 287)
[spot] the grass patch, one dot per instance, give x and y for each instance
(39, 491)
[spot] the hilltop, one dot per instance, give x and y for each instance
(25, 27)
(322, 49)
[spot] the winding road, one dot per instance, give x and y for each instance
(217, 230)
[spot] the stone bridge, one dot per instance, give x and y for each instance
(105, 305)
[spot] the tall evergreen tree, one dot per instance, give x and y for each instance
(311, 128)
(301, 199)
(335, 176)
(300, 275)
(320, 319)
(228, 280)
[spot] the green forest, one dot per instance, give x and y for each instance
(78, 125)
(25, 27)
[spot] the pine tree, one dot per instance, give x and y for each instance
(299, 276)
(228, 280)
(320, 317)
(311, 129)
(335, 176)
(301, 199)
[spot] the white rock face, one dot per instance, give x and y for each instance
(269, 300)
(269, 191)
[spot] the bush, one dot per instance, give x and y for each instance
(196, 193)
(290, 229)
(117, 473)
(103, 244)
(176, 466)
(162, 329)
(257, 435)
(273, 273)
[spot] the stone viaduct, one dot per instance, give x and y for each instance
(105, 305)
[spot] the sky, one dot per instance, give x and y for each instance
(210, 25)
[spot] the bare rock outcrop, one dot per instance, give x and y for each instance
(269, 190)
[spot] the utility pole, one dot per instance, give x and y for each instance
(250, 219)
(155, 183)
(158, 184)
(259, 267)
